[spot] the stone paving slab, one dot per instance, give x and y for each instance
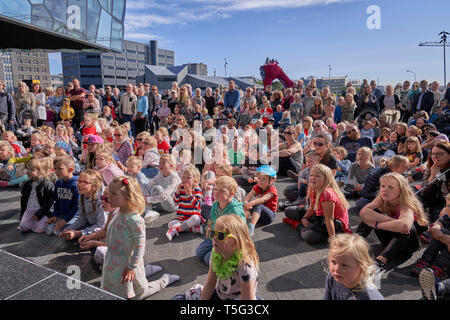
(289, 269)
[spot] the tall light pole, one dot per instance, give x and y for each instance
(414, 74)
(443, 43)
(225, 67)
(329, 71)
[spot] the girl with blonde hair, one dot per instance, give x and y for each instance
(401, 212)
(91, 216)
(327, 214)
(350, 270)
(124, 272)
(233, 269)
(106, 166)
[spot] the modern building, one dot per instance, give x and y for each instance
(25, 65)
(114, 69)
(336, 84)
(63, 24)
(191, 73)
(57, 80)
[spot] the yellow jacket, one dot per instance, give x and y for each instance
(67, 113)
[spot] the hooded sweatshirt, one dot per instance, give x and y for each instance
(233, 207)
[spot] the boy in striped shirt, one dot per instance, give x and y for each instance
(189, 199)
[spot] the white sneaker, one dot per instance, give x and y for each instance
(197, 229)
(150, 216)
(428, 284)
(172, 232)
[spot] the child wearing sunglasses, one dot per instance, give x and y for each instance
(233, 269)
(225, 203)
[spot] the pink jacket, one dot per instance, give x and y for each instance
(110, 172)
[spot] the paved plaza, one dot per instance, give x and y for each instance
(290, 269)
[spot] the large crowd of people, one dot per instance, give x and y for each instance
(99, 166)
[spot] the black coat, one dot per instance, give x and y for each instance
(7, 106)
(427, 102)
(45, 195)
(151, 104)
(372, 183)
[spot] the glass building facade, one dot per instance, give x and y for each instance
(100, 22)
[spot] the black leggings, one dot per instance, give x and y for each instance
(285, 164)
(394, 243)
(316, 232)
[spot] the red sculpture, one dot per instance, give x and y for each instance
(271, 71)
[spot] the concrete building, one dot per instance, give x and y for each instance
(114, 69)
(336, 84)
(25, 65)
(57, 80)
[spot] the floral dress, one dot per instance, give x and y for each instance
(125, 240)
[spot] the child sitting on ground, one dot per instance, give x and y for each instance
(437, 254)
(91, 216)
(343, 164)
(159, 191)
(327, 214)
(11, 173)
(264, 207)
(189, 199)
(66, 196)
(358, 173)
(134, 166)
(225, 203)
(123, 272)
(151, 157)
(105, 164)
(37, 198)
(350, 270)
(233, 271)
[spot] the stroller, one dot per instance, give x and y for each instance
(28, 114)
(365, 114)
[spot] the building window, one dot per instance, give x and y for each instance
(43, 62)
(19, 60)
(36, 69)
(28, 69)
(29, 76)
(44, 77)
(35, 61)
(44, 69)
(20, 68)
(35, 54)
(36, 77)
(21, 76)
(42, 55)
(27, 54)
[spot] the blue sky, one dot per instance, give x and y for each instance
(304, 35)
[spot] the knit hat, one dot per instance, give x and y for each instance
(93, 138)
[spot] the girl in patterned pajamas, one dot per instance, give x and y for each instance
(123, 272)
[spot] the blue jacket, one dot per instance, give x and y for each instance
(142, 105)
(233, 99)
(66, 199)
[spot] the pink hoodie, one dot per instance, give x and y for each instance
(110, 172)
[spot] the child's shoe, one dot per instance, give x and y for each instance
(293, 223)
(438, 271)
(151, 269)
(427, 282)
(197, 229)
(171, 233)
(380, 267)
(251, 229)
(419, 266)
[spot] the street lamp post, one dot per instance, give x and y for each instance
(329, 71)
(414, 74)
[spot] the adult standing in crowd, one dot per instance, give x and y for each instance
(210, 101)
(39, 96)
(376, 91)
(7, 109)
(423, 101)
(232, 99)
(128, 108)
(142, 109)
(437, 95)
(76, 97)
(151, 112)
(308, 102)
(24, 99)
(108, 99)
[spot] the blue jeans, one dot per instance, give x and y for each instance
(203, 251)
(150, 172)
(267, 216)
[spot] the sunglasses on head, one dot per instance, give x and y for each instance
(221, 235)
